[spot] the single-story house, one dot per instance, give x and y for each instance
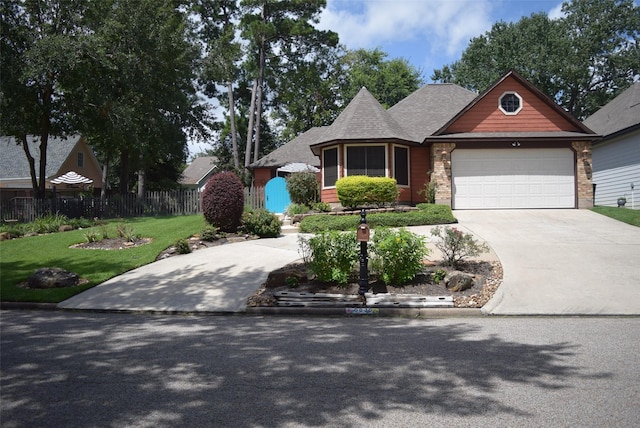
(294, 156)
(616, 157)
(64, 155)
(195, 175)
(509, 147)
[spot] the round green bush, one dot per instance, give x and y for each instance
(261, 223)
(303, 188)
(223, 201)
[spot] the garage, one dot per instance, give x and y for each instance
(513, 178)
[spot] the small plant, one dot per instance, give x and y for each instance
(457, 245)
(429, 192)
(91, 235)
(126, 232)
(209, 233)
(397, 255)
(438, 275)
(49, 223)
(294, 209)
(322, 207)
(330, 256)
(261, 223)
(292, 281)
(182, 246)
(104, 231)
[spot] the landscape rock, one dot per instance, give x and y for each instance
(458, 281)
(5, 236)
(65, 228)
(53, 278)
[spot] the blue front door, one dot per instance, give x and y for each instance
(277, 198)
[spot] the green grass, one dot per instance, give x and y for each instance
(625, 215)
(19, 258)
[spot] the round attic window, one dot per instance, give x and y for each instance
(510, 103)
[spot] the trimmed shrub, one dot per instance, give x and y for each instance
(359, 190)
(331, 256)
(261, 223)
(431, 214)
(303, 187)
(397, 255)
(182, 246)
(209, 233)
(223, 201)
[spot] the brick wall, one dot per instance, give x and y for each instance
(441, 155)
(584, 170)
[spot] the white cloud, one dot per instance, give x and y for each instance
(556, 12)
(440, 25)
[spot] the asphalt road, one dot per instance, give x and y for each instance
(64, 369)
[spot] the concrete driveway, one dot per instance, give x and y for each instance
(560, 262)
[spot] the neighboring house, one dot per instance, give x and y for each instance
(509, 147)
(291, 157)
(195, 176)
(616, 157)
(63, 155)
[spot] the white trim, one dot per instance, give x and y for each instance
(510, 113)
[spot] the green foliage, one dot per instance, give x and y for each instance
(439, 275)
(294, 209)
(209, 233)
(456, 245)
(321, 207)
(303, 187)
(429, 192)
(397, 255)
(48, 223)
(432, 214)
(223, 201)
(359, 190)
(262, 223)
(126, 231)
(582, 60)
(91, 235)
(182, 246)
(330, 256)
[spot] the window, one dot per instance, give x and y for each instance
(510, 103)
(80, 160)
(367, 160)
(401, 165)
(330, 167)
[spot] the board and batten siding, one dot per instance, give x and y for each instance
(616, 164)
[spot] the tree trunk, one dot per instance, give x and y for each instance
(252, 108)
(261, 65)
(232, 119)
(105, 170)
(124, 172)
(32, 163)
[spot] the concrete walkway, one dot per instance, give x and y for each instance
(561, 262)
(556, 262)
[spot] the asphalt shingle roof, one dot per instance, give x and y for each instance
(621, 113)
(365, 119)
(198, 169)
(426, 110)
(14, 164)
(296, 150)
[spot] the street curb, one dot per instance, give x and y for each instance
(29, 305)
(369, 312)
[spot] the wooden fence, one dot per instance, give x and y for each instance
(156, 203)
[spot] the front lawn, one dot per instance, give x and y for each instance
(625, 215)
(19, 258)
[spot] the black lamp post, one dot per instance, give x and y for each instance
(363, 238)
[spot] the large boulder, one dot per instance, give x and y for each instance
(53, 278)
(458, 281)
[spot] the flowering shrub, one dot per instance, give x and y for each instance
(397, 255)
(330, 256)
(457, 245)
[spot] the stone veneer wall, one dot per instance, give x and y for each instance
(584, 171)
(441, 175)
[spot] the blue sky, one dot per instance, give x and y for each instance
(428, 33)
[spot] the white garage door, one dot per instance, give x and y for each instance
(512, 178)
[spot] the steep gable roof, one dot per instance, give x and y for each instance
(14, 163)
(424, 111)
(621, 114)
(365, 119)
(295, 151)
(543, 115)
(198, 169)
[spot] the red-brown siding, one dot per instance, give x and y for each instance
(536, 115)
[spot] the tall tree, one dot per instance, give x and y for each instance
(278, 32)
(38, 48)
(582, 60)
